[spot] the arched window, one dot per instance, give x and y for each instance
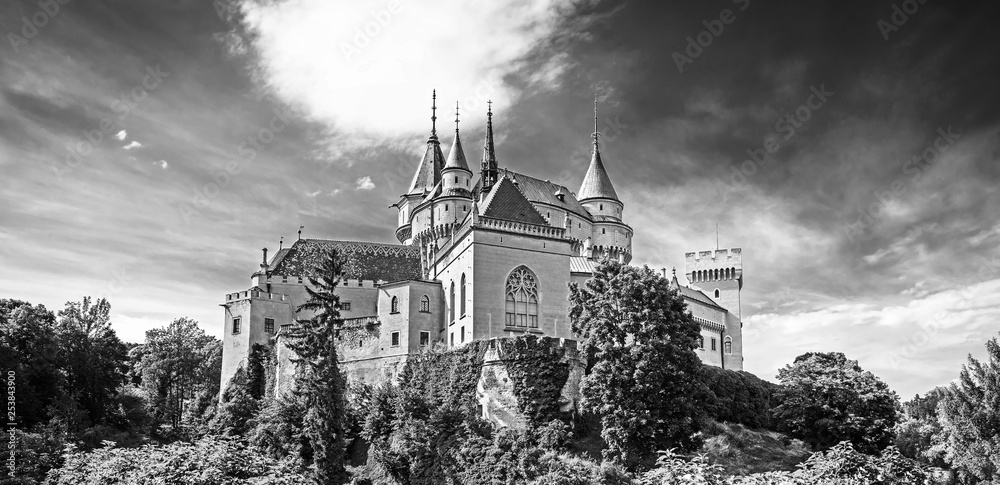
(451, 303)
(521, 302)
(716, 292)
(728, 345)
(395, 305)
(462, 294)
(425, 304)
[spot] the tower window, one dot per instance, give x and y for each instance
(269, 325)
(345, 305)
(713, 343)
(603, 231)
(451, 339)
(425, 339)
(701, 343)
(425, 304)
(462, 335)
(716, 292)
(451, 303)
(394, 307)
(456, 180)
(446, 208)
(236, 325)
(521, 302)
(395, 339)
(600, 206)
(727, 346)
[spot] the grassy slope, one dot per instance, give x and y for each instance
(742, 451)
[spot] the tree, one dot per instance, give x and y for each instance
(94, 359)
(237, 408)
(826, 398)
(175, 363)
(970, 416)
(28, 348)
(643, 379)
(319, 381)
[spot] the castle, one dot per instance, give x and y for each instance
(479, 258)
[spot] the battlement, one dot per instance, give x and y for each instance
(302, 280)
(254, 294)
(715, 265)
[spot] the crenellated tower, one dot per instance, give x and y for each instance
(611, 237)
(718, 274)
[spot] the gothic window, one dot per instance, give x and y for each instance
(521, 305)
(269, 325)
(728, 345)
(716, 292)
(462, 295)
(395, 305)
(425, 304)
(236, 325)
(451, 303)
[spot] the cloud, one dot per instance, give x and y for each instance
(365, 183)
(313, 194)
(132, 145)
(164, 164)
(121, 135)
(383, 61)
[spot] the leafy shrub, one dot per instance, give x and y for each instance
(209, 461)
(563, 469)
(738, 397)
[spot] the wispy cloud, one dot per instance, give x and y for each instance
(132, 145)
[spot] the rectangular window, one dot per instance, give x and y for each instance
(451, 338)
(713, 343)
(269, 325)
(236, 325)
(345, 305)
(462, 339)
(395, 339)
(425, 339)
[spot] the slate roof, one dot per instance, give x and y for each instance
(506, 202)
(456, 158)
(697, 295)
(537, 190)
(597, 183)
(429, 171)
(365, 260)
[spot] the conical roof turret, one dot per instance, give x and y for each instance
(597, 183)
(456, 158)
(429, 170)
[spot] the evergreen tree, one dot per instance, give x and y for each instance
(644, 381)
(236, 409)
(826, 398)
(319, 381)
(970, 416)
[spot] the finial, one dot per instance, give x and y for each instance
(281, 243)
(456, 116)
(264, 262)
(434, 117)
(301, 227)
(489, 107)
(674, 269)
(597, 134)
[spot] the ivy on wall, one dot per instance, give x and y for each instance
(538, 368)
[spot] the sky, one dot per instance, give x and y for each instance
(150, 149)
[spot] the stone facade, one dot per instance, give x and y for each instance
(480, 258)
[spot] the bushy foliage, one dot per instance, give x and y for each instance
(826, 398)
(28, 347)
(538, 370)
(738, 397)
(643, 382)
(209, 461)
(236, 409)
(562, 469)
(970, 418)
(840, 465)
(277, 429)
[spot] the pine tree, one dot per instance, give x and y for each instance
(970, 416)
(644, 380)
(319, 381)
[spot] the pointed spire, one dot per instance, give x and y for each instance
(597, 183)
(429, 170)
(434, 98)
(488, 168)
(456, 159)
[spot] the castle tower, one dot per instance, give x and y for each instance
(488, 168)
(718, 274)
(455, 200)
(611, 236)
(428, 175)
